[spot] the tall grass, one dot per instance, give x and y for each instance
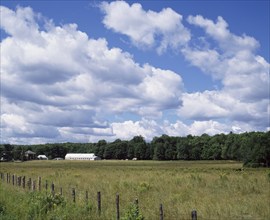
(216, 189)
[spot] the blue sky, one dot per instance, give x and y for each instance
(83, 71)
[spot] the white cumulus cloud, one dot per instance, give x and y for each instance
(149, 128)
(144, 28)
(244, 76)
(58, 84)
(57, 78)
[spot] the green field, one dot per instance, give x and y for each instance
(216, 189)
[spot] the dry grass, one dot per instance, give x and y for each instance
(216, 189)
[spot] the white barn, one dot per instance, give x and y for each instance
(82, 157)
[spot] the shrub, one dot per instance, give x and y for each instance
(42, 204)
(268, 175)
(252, 165)
(133, 213)
(144, 187)
(2, 209)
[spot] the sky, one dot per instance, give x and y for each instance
(82, 71)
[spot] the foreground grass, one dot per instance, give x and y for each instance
(216, 189)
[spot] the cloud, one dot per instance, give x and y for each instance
(161, 30)
(161, 86)
(208, 127)
(15, 23)
(219, 105)
(57, 78)
(16, 125)
(58, 84)
(149, 128)
(244, 75)
(129, 129)
(227, 57)
(227, 41)
(205, 105)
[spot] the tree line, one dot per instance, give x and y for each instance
(252, 148)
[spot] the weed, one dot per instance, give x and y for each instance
(144, 187)
(41, 204)
(133, 213)
(268, 176)
(2, 208)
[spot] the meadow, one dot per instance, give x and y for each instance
(215, 189)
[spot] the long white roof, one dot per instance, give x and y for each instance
(80, 155)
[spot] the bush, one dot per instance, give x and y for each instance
(268, 175)
(2, 209)
(42, 204)
(252, 165)
(133, 213)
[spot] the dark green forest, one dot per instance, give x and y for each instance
(252, 148)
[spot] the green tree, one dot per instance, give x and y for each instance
(7, 152)
(159, 152)
(100, 148)
(184, 147)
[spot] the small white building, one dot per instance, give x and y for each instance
(82, 157)
(42, 157)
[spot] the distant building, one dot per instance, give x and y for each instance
(58, 158)
(82, 157)
(42, 157)
(30, 155)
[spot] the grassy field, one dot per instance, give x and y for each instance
(216, 189)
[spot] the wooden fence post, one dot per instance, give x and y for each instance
(46, 185)
(99, 202)
(34, 185)
(52, 188)
(61, 191)
(137, 207)
(23, 182)
(194, 215)
(29, 183)
(13, 179)
(73, 195)
(86, 196)
(16, 180)
(117, 207)
(39, 183)
(161, 212)
(19, 181)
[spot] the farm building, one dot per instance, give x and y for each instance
(42, 157)
(30, 155)
(82, 157)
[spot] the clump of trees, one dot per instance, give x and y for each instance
(253, 148)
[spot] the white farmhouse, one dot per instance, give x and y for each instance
(82, 157)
